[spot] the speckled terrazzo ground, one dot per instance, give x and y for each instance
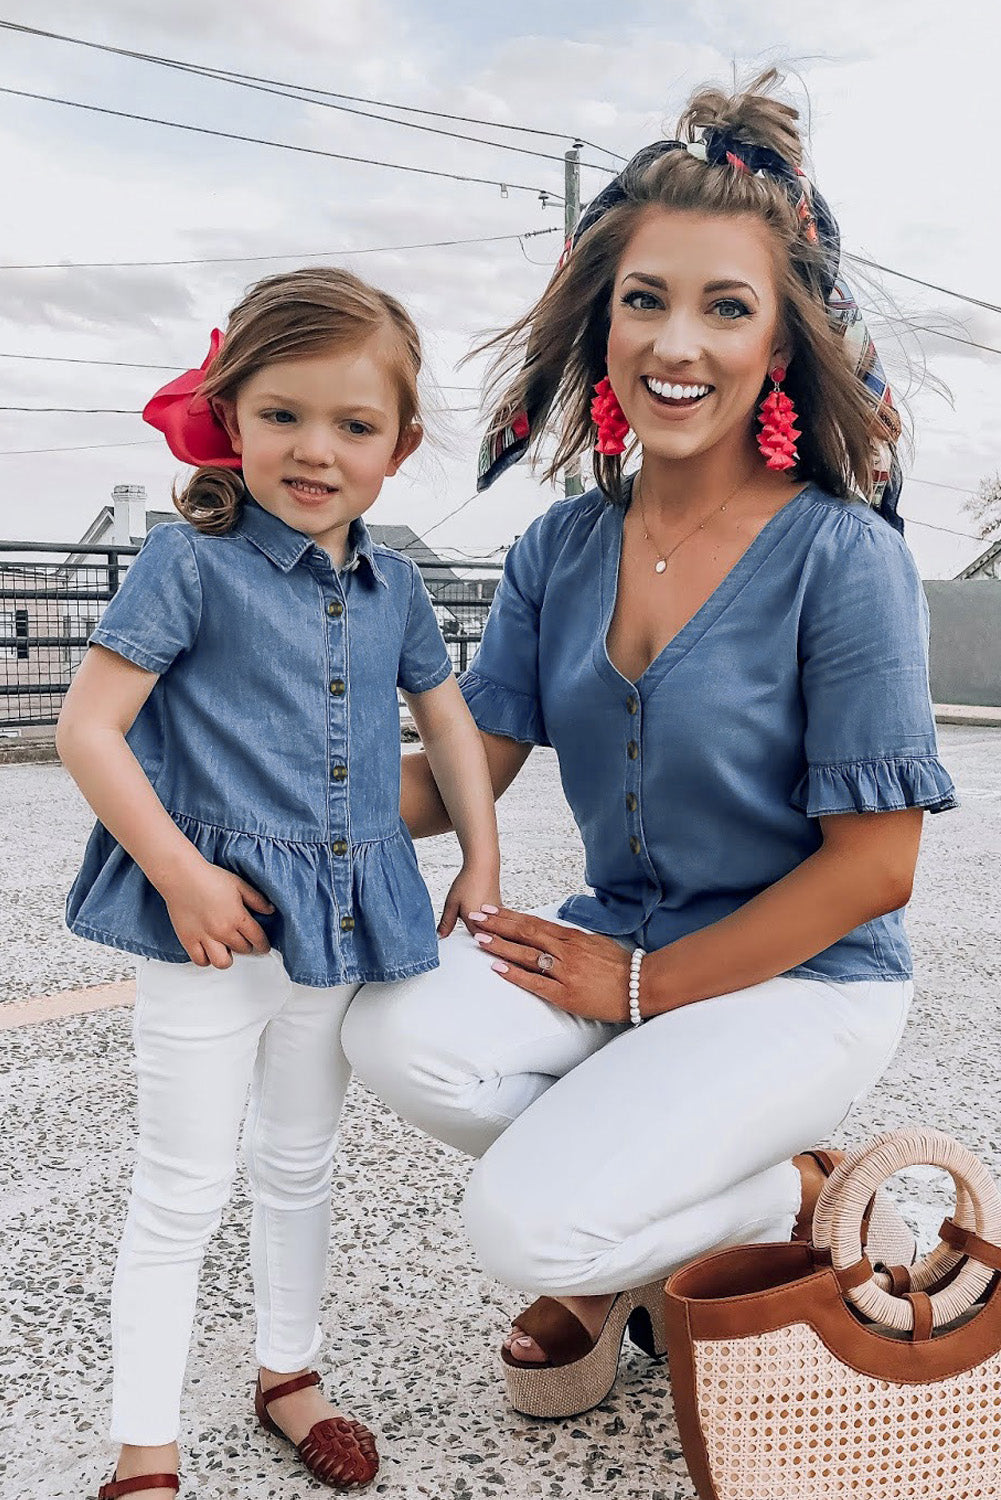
(411, 1321)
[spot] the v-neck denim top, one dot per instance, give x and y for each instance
(800, 688)
(272, 737)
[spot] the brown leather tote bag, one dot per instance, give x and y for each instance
(800, 1372)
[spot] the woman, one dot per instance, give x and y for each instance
(728, 652)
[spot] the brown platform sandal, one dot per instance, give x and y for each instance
(887, 1238)
(116, 1488)
(579, 1371)
(336, 1451)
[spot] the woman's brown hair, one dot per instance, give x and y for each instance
(292, 316)
(550, 360)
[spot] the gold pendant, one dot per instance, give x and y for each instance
(660, 565)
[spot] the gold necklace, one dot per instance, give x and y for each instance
(660, 566)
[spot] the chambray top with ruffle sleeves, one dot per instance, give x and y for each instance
(800, 688)
(272, 737)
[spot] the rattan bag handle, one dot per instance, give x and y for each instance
(842, 1203)
(927, 1271)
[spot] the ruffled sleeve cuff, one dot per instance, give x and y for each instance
(875, 786)
(503, 710)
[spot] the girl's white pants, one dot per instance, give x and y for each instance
(204, 1038)
(610, 1155)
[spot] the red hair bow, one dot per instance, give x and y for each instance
(194, 433)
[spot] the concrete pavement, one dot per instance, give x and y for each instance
(411, 1321)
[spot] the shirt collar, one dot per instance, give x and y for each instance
(360, 546)
(285, 547)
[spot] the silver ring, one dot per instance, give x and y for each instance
(545, 962)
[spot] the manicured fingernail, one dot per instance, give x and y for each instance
(477, 916)
(483, 937)
(499, 966)
(492, 910)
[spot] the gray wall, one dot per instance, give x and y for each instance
(965, 641)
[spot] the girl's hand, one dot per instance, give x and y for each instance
(209, 913)
(590, 976)
(470, 889)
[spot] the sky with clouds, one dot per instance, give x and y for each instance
(897, 95)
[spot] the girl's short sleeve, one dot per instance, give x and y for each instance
(870, 739)
(424, 658)
(502, 685)
(157, 610)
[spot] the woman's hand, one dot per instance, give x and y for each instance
(210, 910)
(590, 973)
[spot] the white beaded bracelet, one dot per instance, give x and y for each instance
(634, 986)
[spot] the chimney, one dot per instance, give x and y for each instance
(129, 502)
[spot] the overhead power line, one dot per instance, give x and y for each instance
(128, 364)
(88, 411)
(299, 91)
(545, 194)
(79, 447)
(287, 89)
(937, 484)
(949, 530)
(65, 359)
(874, 265)
(428, 530)
(137, 411)
(217, 260)
(909, 326)
(954, 338)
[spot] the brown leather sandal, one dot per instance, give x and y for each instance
(116, 1488)
(337, 1451)
(579, 1371)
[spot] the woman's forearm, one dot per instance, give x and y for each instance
(113, 782)
(814, 906)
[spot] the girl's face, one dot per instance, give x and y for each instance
(318, 435)
(695, 328)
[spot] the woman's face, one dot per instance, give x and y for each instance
(695, 329)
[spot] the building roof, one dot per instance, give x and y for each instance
(993, 554)
(400, 538)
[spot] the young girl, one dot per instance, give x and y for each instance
(235, 728)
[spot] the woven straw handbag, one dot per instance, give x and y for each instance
(800, 1373)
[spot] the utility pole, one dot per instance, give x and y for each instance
(571, 213)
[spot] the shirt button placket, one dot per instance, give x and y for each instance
(633, 765)
(338, 814)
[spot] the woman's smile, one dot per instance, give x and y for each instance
(675, 399)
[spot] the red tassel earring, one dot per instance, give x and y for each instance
(777, 415)
(609, 418)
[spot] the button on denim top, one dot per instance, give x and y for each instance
(272, 737)
(800, 688)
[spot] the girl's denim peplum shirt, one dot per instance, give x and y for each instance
(272, 738)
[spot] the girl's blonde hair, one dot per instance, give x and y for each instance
(291, 316)
(551, 359)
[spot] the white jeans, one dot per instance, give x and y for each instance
(610, 1155)
(203, 1038)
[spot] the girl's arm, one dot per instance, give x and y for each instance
(458, 763)
(207, 906)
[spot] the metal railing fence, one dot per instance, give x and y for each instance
(52, 595)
